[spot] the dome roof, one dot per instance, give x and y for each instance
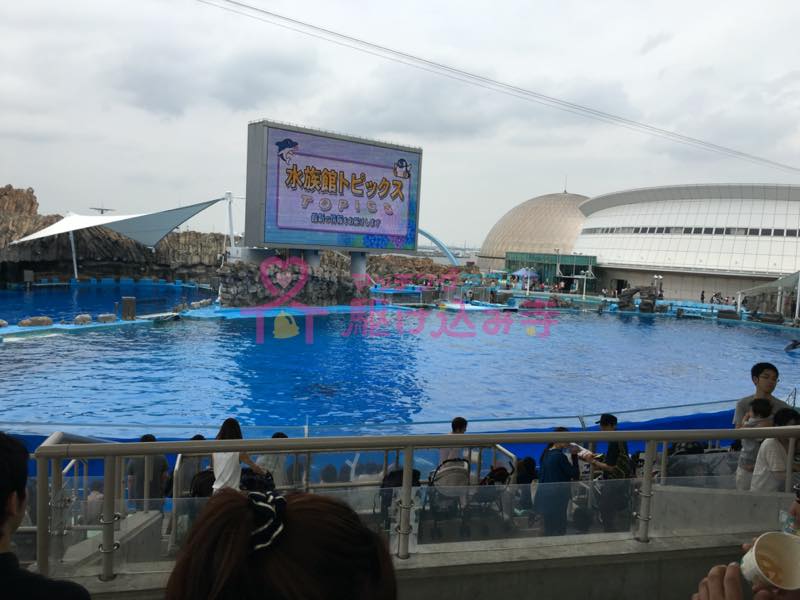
(540, 224)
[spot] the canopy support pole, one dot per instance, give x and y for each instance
(74, 257)
(738, 302)
(234, 253)
(797, 301)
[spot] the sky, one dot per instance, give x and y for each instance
(143, 105)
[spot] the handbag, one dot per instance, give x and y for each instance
(251, 481)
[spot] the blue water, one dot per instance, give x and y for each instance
(65, 302)
(197, 372)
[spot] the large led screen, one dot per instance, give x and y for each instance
(324, 190)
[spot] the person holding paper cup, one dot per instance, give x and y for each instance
(771, 565)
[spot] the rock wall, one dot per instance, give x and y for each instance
(383, 267)
(247, 284)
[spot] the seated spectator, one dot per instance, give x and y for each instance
(257, 547)
(136, 477)
(94, 503)
(227, 465)
(370, 471)
(344, 473)
(19, 583)
(526, 475)
(329, 474)
(760, 415)
(275, 463)
(769, 472)
(457, 426)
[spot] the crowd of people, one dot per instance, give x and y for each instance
(717, 298)
(250, 541)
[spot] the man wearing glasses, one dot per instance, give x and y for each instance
(765, 378)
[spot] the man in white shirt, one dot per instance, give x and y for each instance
(457, 426)
(769, 473)
(765, 378)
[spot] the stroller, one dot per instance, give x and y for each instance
(446, 497)
(492, 498)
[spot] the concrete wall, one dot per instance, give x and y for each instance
(591, 567)
(585, 570)
(684, 510)
(679, 285)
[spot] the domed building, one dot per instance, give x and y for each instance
(689, 239)
(546, 224)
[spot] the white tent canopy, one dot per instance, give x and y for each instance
(789, 282)
(147, 229)
(780, 289)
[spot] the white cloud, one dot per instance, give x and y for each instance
(145, 104)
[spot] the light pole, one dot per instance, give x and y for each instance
(658, 282)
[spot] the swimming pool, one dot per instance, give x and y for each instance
(66, 302)
(197, 372)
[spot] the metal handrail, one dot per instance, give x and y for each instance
(388, 442)
(53, 450)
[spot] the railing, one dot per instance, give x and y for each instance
(55, 450)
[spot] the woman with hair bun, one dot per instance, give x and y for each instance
(269, 547)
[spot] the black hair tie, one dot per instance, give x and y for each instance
(268, 510)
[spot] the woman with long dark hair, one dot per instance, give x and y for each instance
(228, 465)
(267, 547)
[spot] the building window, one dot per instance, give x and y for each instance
(752, 232)
(718, 231)
(708, 230)
(777, 232)
(659, 230)
(697, 230)
(687, 230)
(651, 230)
(766, 232)
(729, 230)
(791, 233)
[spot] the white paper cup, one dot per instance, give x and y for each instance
(774, 560)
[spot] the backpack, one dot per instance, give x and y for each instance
(202, 484)
(624, 469)
(392, 480)
(496, 475)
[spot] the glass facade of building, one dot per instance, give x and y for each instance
(546, 265)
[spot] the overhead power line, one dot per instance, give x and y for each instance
(308, 29)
